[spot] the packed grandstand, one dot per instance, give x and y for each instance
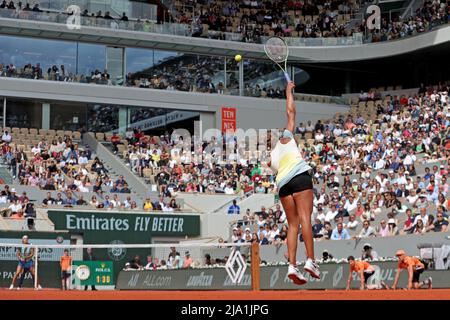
(380, 170)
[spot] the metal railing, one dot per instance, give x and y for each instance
(179, 29)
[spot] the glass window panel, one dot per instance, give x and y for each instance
(102, 118)
(21, 51)
(68, 116)
(23, 113)
(114, 64)
(138, 64)
(175, 71)
(91, 57)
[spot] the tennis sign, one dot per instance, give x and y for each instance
(228, 119)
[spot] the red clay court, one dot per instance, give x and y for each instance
(51, 294)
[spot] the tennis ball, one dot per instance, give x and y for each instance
(238, 58)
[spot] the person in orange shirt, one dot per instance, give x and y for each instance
(65, 263)
(414, 267)
(362, 268)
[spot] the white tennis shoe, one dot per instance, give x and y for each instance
(11, 287)
(295, 275)
(312, 268)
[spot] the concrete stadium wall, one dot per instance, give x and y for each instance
(271, 112)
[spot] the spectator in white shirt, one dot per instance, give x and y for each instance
(15, 206)
(6, 137)
(352, 222)
(351, 204)
(367, 230)
(331, 213)
(83, 159)
(422, 216)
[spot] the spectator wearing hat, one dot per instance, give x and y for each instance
(392, 225)
(368, 253)
(187, 260)
(326, 255)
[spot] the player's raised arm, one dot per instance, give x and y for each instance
(290, 107)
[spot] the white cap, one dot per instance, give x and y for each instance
(391, 221)
(247, 229)
(354, 180)
(13, 190)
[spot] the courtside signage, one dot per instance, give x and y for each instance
(170, 225)
(334, 276)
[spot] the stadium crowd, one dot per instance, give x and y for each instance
(395, 167)
(252, 20)
(174, 74)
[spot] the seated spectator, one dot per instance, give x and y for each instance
(125, 189)
(339, 233)
(148, 205)
(441, 223)
(392, 225)
(173, 204)
(383, 229)
(81, 201)
(317, 228)
(15, 207)
(114, 188)
(367, 230)
(48, 200)
(352, 222)
(419, 227)
(6, 137)
(262, 239)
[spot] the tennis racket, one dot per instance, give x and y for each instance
(277, 51)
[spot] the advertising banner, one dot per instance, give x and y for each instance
(123, 228)
(228, 119)
(334, 276)
(92, 273)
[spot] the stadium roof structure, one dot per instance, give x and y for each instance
(304, 54)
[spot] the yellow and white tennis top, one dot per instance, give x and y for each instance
(287, 161)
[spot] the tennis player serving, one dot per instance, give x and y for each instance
(295, 185)
(25, 255)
